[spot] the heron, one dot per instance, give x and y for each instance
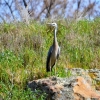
(54, 51)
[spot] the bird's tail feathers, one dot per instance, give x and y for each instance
(47, 68)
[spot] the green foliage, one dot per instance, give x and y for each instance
(23, 52)
(8, 59)
(6, 28)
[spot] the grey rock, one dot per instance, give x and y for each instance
(58, 88)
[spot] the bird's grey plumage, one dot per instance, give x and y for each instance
(48, 59)
(58, 52)
(54, 51)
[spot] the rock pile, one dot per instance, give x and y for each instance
(72, 88)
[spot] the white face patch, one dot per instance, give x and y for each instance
(54, 24)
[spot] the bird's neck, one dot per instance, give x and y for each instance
(55, 38)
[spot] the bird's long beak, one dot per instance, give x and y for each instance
(48, 23)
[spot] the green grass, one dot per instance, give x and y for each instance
(23, 52)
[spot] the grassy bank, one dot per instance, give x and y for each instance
(23, 52)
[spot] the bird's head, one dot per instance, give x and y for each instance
(53, 24)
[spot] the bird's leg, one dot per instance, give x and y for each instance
(55, 67)
(50, 67)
